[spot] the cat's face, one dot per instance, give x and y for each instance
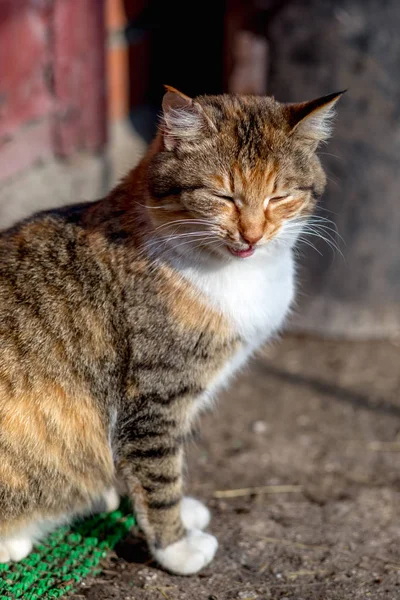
(235, 176)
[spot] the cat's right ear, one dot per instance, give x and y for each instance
(183, 119)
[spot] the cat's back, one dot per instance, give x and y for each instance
(48, 255)
(54, 281)
(30, 254)
(47, 240)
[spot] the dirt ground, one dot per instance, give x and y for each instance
(322, 417)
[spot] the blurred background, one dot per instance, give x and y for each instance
(81, 83)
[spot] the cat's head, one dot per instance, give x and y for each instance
(236, 175)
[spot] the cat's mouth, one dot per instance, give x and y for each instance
(249, 251)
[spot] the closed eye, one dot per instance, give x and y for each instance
(225, 197)
(276, 198)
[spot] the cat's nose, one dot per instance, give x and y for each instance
(252, 236)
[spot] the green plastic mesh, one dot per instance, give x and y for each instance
(65, 558)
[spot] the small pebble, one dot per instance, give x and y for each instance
(147, 575)
(259, 427)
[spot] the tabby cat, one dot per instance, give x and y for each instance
(121, 318)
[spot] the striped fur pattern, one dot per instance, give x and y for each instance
(120, 319)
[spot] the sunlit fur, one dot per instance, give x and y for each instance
(120, 319)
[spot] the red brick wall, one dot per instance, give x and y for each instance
(52, 84)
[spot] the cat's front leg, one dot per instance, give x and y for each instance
(172, 524)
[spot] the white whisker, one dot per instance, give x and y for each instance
(185, 222)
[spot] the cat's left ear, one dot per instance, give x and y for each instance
(312, 121)
(183, 119)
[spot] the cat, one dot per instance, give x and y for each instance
(120, 319)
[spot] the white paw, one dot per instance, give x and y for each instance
(190, 554)
(14, 549)
(194, 514)
(111, 499)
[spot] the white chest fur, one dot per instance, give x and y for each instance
(254, 294)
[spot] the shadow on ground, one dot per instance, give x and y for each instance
(323, 417)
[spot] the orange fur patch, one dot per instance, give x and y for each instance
(10, 475)
(189, 309)
(56, 428)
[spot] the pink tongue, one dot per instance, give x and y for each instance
(243, 253)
